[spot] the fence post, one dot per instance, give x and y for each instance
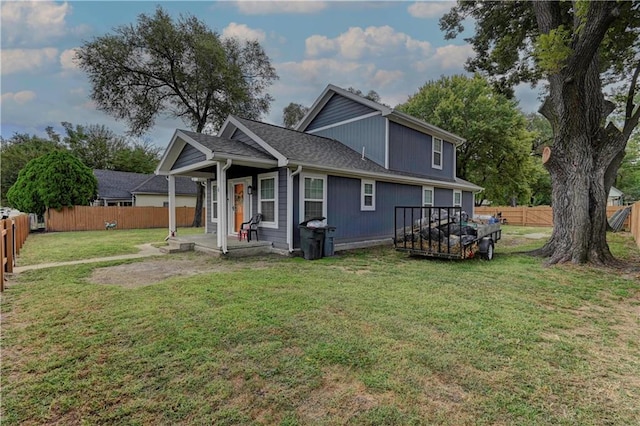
(8, 248)
(3, 260)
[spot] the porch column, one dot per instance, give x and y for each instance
(223, 217)
(172, 205)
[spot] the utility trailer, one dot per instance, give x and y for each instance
(445, 232)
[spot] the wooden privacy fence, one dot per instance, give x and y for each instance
(537, 216)
(93, 218)
(635, 222)
(14, 232)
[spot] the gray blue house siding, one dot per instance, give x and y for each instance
(277, 236)
(352, 224)
(467, 202)
(442, 197)
(368, 133)
(336, 110)
(188, 156)
(410, 151)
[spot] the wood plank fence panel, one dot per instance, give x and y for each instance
(93, 218)
(13, 234)
(535, 216)
(635, 222)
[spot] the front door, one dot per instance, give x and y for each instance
(238, 205)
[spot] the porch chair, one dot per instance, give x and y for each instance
(246, 228)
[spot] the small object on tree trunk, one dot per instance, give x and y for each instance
(546, 154)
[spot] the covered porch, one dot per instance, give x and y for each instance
(239, 181)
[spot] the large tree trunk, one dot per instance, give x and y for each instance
(583, 154)
(197, 218)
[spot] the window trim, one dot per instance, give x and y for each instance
(434, 151)
(363, 206)
(261, 177)
(301, 201)
(427, 188)
(455, 192)
(214, 208)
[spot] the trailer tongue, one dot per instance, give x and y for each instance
(445, 232)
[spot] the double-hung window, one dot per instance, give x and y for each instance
(268, 199)
(427, 196)
(313, 192)
(214, 201)
(436, 153)
(368, 195)
(457, 198)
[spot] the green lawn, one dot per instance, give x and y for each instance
(67, 246)
(368, 337)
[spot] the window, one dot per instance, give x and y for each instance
(214, 201)
(368, 195)
(268, 199)
(427, 196)
(313, 196)
(436, 153)
(457, 198)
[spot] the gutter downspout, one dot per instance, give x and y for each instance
(290, 176)
(222, 206)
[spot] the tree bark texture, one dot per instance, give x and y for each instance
(197, 218)
(584, 152)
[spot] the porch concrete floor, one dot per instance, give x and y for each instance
(209, 243)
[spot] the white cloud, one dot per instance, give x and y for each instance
(430, 9)
(68, 61)
(27, 22)
(20, 60)
(267, 7)
(21, 97)
(383, 78)
(452, 57)
(243, 32)
(357, 43)
(323, 70)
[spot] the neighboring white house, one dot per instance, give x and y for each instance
(616, 197)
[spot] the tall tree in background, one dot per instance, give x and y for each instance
(496, 154)
(16, 152)
(100, 148)
(578, 47)
(292, 114)
(178, 69)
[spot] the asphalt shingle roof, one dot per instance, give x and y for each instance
(114, 184)
(227, 146)
(307, 148)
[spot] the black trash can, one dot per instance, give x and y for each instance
(311, 240)
(328, 241)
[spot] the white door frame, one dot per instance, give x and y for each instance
(246, 208)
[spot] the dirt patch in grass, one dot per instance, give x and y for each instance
(152, 271)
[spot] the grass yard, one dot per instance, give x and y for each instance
(368, 337)
(67, 246)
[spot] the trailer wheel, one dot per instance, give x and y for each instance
(486, 248)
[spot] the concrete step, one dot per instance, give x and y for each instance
(177, 247)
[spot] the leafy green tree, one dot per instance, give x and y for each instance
(578, 48)
(178, 69)
(53, 180)
(292, 114)
(100, 148)
(16, 152)
(496, 154)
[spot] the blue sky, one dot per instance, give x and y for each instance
(390, 47)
